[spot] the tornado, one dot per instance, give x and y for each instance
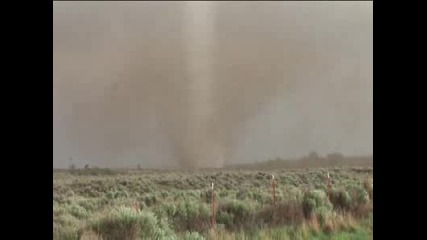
(203, 148)
(207, 84)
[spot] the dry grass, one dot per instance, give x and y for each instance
(363, 210)
(369, 187)
(314, 225)
(282, 214)
(342, 222)
(90, 235)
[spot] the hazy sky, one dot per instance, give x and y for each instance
(203, 84)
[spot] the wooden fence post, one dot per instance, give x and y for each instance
(213, 206)
(273, 185)
(329, 186)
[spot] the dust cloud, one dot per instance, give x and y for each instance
(203, 84)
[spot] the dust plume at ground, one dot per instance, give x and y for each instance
(198, 84)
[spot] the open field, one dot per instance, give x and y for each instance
(100, 204)
(212, 120)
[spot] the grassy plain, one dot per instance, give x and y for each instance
(166, 204)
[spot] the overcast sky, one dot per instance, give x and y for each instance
(193, 83)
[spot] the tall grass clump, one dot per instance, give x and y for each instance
(125, 223)
(283, 213)
(236, 214)
(193, 236)
(66, 227)
(189, 215)
(66, 233)
(76, 210)
(361, 203)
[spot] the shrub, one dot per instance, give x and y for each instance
(225, 218)
(76, 211)
(363, 210)
(358, 195)
(150, 200)
(163, 231)
(66, 233)
(292, 194)
(127, 224)
(89, 204)
(315, 204)
(243, 212)
(341, 199)
(281, 214)
(193, 236)
(206, 196)
(261, 198)
(242, 194)
(110, 195)
(190, 215)
(223, 194)
(66, 227)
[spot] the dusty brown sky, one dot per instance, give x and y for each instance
(202, 84)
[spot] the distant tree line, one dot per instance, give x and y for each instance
(313, 159)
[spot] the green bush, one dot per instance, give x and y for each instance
(163, 231)
(223, 193)
(206, 196)
(341, 199)
(292, 194)
(58, 209)
(150, 200)
(66, 227)
(358, 195)
(189, 215)
(76, 211)
(127, 224)
(261, 197)
(225, 218)
(243, 212)
(111, 195)
(66, 233)
(193, 236)
(316, 203)
(89, 204)
(242, 194)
